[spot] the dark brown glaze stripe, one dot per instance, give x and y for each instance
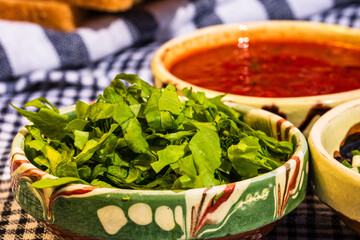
(279, 200)
(292, 183)
(288, 169)
(278, 128)
(274, 109)
(34, 174)
(212, 207)
(192, 223)
(199, 211)
(296, 173)
(17, 153)
(317, 109)
(287, 131)
(17, 163)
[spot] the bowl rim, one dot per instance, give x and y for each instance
(314, 138)
(300, 151)
(159, 68)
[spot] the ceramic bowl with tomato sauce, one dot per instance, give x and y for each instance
(337, 184)
(298, 70)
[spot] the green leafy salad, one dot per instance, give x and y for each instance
(142, 137)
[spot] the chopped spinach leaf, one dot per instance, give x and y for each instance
(142, 137)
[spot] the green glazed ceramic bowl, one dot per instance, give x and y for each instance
(243, 210)
(335, 184)
(301, 111)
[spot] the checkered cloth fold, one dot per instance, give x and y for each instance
(79, 65)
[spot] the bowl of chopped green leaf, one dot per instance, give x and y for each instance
(334, 143)
(142, 162)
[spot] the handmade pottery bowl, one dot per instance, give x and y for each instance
(247, 209)
(335, 184)
(301, 111)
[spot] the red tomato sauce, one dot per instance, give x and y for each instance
(273, 69)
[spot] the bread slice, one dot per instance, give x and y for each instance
(104, 5)
(50, 14)
(62, 15)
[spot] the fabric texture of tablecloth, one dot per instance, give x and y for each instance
(66, 67)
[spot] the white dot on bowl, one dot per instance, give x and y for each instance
(164, 218)
(140, 213)
(112, 218)
(179, 218)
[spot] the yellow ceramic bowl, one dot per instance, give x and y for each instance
(301, 111)
(335, 184)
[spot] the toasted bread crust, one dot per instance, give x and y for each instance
(62, 15)
(104, 5)
(50, 14)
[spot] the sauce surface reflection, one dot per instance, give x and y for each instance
(272, 68)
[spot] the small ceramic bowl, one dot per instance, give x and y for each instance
(335, 184)
(301, 111)
(247, 209)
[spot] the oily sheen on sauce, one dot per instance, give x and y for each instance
(273, 68)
